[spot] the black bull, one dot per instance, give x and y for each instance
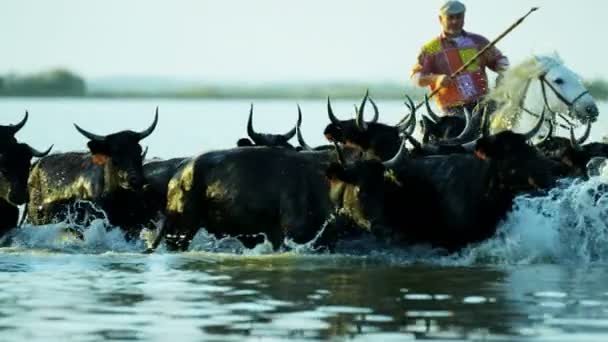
(246, 191)
(14, 170)
(113, 166)
(446, 201)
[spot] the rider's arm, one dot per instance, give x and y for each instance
(422, 72)
(496, 61)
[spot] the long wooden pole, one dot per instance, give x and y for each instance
(482, 51)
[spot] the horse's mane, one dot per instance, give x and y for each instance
(512, 89)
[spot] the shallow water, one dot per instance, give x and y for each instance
(542, 278)
(203, 296)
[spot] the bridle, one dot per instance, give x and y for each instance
(544, 84)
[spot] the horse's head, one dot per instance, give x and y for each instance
(564, 92)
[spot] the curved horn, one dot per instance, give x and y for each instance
(465, 131)
(576, 143)
(143, 155)
(340, 154)
(408, 126)
(529, 135)
(470, 146)
(548, 135)
(415, 143)
(398, 157)
(359, 121)
(376, 112)
(429, 111)
(292, 132)
(90, 135)
(256, 137)
(16, 127)
(330, 112)
(299, 132)
(39, 154)
(485, 123)
(150, 129)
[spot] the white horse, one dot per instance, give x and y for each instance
(541, 83)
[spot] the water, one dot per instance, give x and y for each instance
(541, 279)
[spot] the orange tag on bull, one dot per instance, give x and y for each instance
(480, 155)
(100, 159)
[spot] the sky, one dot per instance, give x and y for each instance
(280, 40)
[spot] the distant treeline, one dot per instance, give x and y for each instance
(61, 82)
(57, 82)
(276, 91)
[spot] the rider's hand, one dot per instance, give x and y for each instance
(442, 81)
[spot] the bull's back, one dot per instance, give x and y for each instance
(247, 186)
(461, 182)
(60, 178)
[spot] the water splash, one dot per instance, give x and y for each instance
(567, 225)
(94, 235)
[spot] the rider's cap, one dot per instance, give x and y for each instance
(452, 7)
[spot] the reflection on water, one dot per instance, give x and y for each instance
(197, 296)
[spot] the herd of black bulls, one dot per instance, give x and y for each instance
(449, 190)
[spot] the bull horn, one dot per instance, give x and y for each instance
(465, 131)
(376, 112)
(429, 111)
(90, 135)
(143, 155)
(15, 128)
(411, 125)
(427, 121)
(39, 154)
(341, 159)
(150, 129)
(548, 135)
(256, 137)
(330, 112)
(576, 143)
(299, 132)
(408, 126)
(398, 157)
(360, 121)
(292, 132)
(470, 146)
(485, 123)
(529, 135)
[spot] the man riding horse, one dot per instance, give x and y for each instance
(440, 58)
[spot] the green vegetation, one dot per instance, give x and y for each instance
(58, 82)
(598, 89)
(61, 82)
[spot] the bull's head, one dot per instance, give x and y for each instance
(265, 139)
(15, 163)
(353, 131)
(370, 136)
(7, 133)
(122, 152)
(519, 166)
(448, 130)
(363, 189)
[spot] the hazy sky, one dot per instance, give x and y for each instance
(279, 39)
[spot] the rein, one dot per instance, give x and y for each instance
(544, 83)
